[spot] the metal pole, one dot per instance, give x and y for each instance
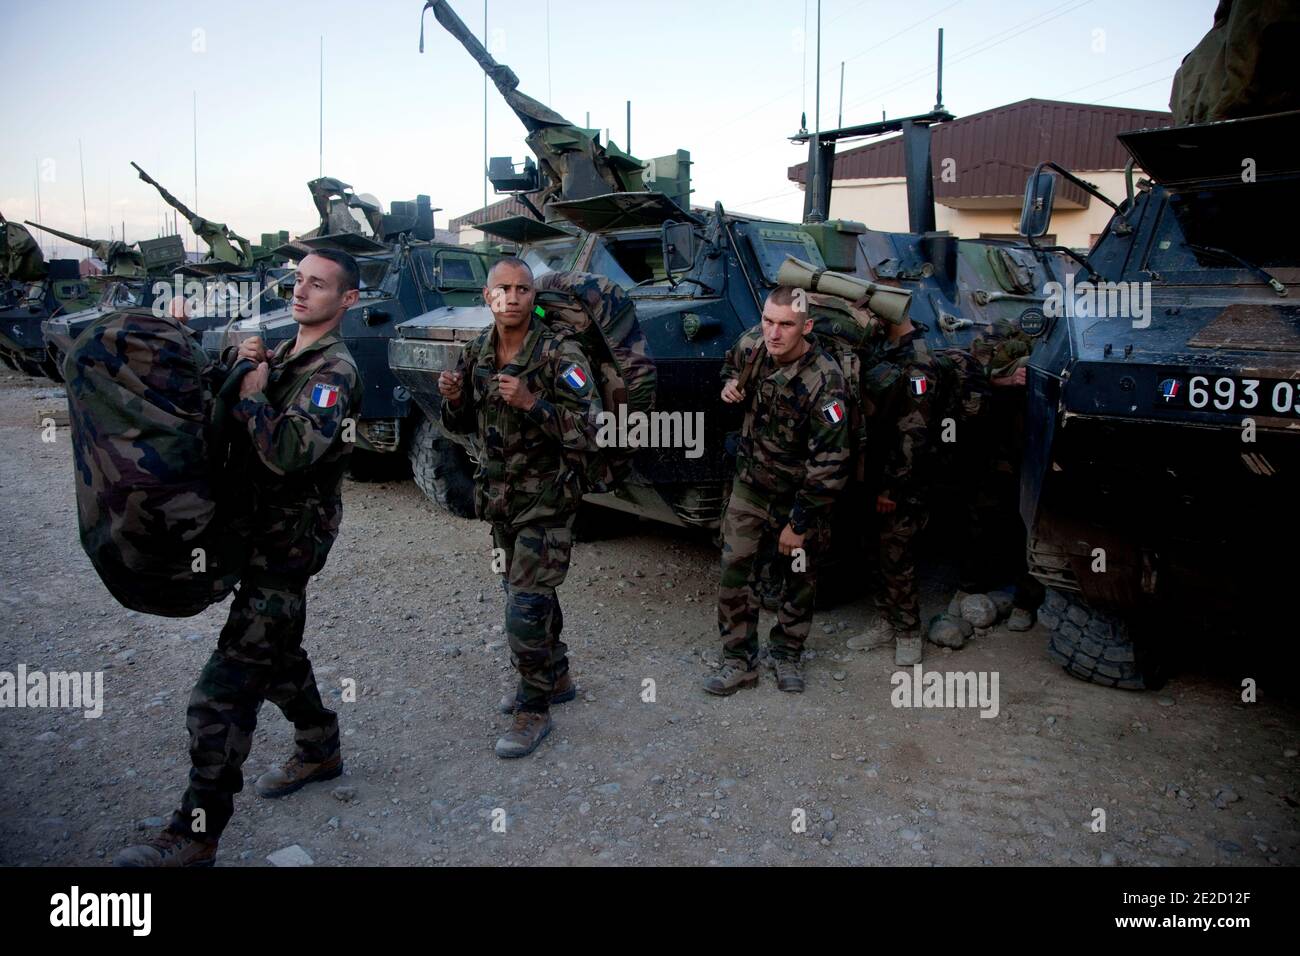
(485, 83)
(817, 214)
(938, 93)
(840, 122)
(85, 219)
(320, 162)
(628, 146)
(196, 167)
(817, 108)
(40, 242)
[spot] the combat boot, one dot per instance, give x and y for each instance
(565, 691)
(907, 648)
(1020, 619)
(295, 773)
(789, 675)
(169, 848)
(880, 635)
(730, 678)
(525, 733)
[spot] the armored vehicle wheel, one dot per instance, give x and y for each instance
(51, 370)
(28, 367)
(442, 470)
(1093, 646)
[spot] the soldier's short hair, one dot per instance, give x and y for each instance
(510, 261)
(351, 273)
(784, 296)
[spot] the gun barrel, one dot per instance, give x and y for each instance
(168, 198)
(79, 240)
(454, 25)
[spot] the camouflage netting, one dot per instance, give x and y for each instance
(22, 260)
(1245, 65)
(148, 465)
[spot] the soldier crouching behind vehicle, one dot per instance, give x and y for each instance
(530, 396)
(290, 444)
(793, 457)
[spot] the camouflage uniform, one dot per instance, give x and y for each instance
(899, 387)
(988, 453)
(293, 457)
(529, 483)
(792, 458)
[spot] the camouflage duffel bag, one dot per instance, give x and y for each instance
(602, 317)
(156, 516)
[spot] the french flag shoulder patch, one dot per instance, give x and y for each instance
(325, 396)
(833, 412)
(575, 378)
(920, 385)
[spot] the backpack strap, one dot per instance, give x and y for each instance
(751, 365)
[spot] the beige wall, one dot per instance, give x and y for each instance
(468, 235)
(882, 205)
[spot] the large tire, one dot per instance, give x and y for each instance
(1093, 646)
(442, 470)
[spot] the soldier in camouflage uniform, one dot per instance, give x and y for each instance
(792, 459)
(292, 415)
(988, 452)
(529, 395)
(899, 386)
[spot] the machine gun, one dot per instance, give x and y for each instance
(120, 258)
(220, 238)
(573, 165)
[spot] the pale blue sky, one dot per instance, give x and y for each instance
(726, 80)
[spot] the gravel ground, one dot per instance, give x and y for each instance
(408, 609)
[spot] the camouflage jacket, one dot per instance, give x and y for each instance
(529, 468)
(899, 385)
(794, 443)
(296, 450)
(1001, 348)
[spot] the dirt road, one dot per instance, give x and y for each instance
(409, 609)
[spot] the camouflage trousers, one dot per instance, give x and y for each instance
(993, 551)
(259, 657)
(898, 599)
(750, 528)
(536, 563)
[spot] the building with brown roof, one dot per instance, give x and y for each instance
(981, 162)
(462, 228)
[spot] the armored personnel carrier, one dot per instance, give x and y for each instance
(1163, 423)
(31, 290)
(127, 284)
(698, 277)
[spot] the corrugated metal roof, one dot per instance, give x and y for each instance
(994, 151)
(497, 210)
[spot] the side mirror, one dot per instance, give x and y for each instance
(678, 246)
(1036, 213)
